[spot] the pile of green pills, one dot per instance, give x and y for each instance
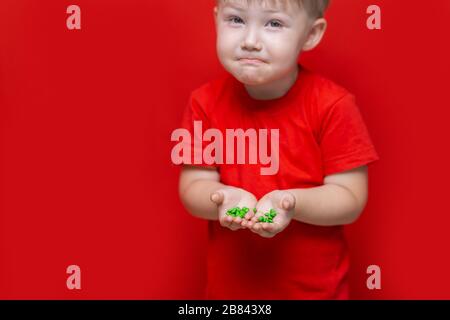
(241, 212)
(238, 212)
(268, 217)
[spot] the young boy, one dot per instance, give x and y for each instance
(324, 147)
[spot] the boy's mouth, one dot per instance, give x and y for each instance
(252, 61)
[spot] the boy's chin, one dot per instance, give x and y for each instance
(251, 80)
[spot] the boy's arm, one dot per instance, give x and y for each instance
(196, 184)
(339, 201)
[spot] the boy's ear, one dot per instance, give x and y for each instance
(215, 11)
(315, 35)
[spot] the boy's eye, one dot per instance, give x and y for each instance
(275, 24)
(235, 20)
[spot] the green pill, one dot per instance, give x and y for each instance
(267, 217)
(237, 212)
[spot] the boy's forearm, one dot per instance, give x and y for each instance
(327, 205)
(196, 199)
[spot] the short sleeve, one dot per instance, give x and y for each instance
(195, 121)
(344, 140)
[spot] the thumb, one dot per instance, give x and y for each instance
(287, 201)
(217, 197)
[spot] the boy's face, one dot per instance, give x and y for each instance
(260, 41)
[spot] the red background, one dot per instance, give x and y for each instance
(86, 122)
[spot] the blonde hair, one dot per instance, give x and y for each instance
(315, 8)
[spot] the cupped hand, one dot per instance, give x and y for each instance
(283, 202)
(231, 197)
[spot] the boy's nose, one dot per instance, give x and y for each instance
(251, 40)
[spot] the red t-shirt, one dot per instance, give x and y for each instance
(321, 132)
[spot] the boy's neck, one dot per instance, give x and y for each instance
(275, 89)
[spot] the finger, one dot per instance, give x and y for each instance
(269, 227)
(249, 223)
(266, 234)
(256, 217)
(266, 230)
(225, 221)
(255, 220)
(229, 220)
(258, 230)
(249, 215)
(264, 226)
(257, 227)
(236, 224)
(217, 197)
(287, 201)
(234, 227)
(237, 220)
(252, 229)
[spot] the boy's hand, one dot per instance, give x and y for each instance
(228, 198)
(283, 203)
